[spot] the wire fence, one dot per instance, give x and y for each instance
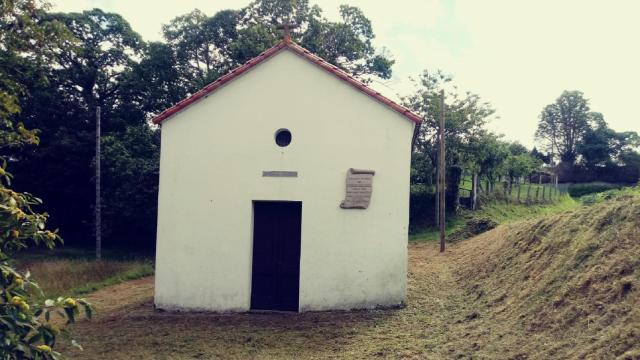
(520, 191)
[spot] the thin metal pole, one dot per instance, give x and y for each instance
(441, 173)
(98, 200)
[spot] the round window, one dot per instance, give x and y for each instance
(283, 137)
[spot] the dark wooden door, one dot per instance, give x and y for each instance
(275, 279)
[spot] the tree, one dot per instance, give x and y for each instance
(131, 167)
(602, 145)
(563, 125)
(465, 118)
(201, 44)
(488, 153)
(515, 148)
(519, 166)
(88, 70)
(545, 158)
(25, 332)
(208, 47)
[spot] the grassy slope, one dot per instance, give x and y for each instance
(564, 286)
(501, 213)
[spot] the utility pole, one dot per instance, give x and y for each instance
(441, 174)
(98, 200)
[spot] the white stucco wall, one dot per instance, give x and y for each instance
(212, 158)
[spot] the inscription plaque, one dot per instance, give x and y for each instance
(359, 188)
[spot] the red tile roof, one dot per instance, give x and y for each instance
(304, 53)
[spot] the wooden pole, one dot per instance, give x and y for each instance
(437, 197)
(441, 174)
(474, 190)
(98, 200)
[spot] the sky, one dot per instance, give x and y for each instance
(517, 55)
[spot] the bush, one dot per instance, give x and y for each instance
(579, 190)
(473, 227)
(422, 209)
(25, 329)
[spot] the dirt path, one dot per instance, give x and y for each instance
(437, 315)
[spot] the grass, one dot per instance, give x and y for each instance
(499, 212)
(580, 189)
(562, 286)
(569, 281)
(74, 272)
(595, 198)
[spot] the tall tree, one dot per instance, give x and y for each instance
(602, 146)
(88, 71)
(207, 47)
(466, 116)
(563, 124)
(91, 71)
(202, 44)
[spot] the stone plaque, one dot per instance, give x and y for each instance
(280, 174)
(359, 187)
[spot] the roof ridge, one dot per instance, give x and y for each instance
(299, 50)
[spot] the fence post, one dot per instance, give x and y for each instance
(519, 186)
(474, 190)
(529, 192)
(505, 187)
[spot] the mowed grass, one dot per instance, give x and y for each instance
(74, 272)
(501, 213)
(565, 286)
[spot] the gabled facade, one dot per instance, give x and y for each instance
(253, 173)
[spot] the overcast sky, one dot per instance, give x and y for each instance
(518, 55)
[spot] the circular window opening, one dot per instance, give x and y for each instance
(283, 137)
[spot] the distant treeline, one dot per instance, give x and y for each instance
(77, 62)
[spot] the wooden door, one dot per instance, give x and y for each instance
(275, 279)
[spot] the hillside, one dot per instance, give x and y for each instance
(563, 286)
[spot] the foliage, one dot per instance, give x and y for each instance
(103, 62)
(465, 118)
(131, 164)
(603, 146)
(474, 226)
(563, 125)
(25, 330)
(579, 190)
(205, 48)
(588, 149)
(575, 134)
(520, 166)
